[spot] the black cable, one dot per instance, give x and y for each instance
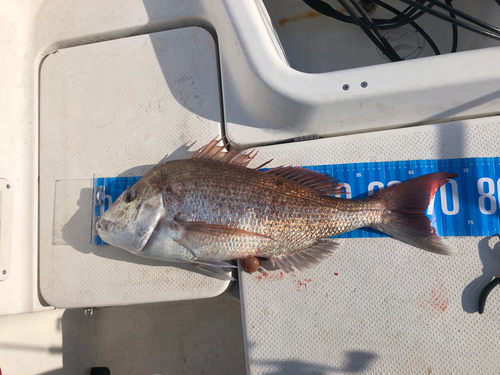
(406, 20)
(372, 26)
(427, 38)
(409, 10)
(466, 16)
(365, 29)
(327, 10)
(454, 29)
(414, 10)
(413, 24)
(403, 17)
(437, 14)
(400, 19)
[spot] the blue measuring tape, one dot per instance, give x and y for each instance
(468, 205)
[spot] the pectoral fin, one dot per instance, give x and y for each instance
(196, 235)
(213, 229)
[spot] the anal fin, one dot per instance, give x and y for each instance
(309, 257)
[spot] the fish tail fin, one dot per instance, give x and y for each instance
(404, 217)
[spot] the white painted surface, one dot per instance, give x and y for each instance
(33, 30)
(264, 100)
(117, 108)
(6, 215)
(19, 155)
(274, 102)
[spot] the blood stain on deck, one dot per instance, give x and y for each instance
(270, 276)
(436, 302)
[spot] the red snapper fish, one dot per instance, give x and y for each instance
(218, 210)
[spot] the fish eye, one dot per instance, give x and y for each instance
(129, 196)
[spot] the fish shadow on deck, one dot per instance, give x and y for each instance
(490, 257)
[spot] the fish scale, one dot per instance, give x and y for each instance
(293, 215)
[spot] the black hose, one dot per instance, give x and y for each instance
(465, 16)
(366, 30)
(327, 10)
(406, 19)
(427, 38)
(415, 9)
(372, 26)
(454, 30)
(413, 24)
(443, 16)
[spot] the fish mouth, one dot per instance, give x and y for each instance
(105, 226)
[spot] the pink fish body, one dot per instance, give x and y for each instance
(217, 209)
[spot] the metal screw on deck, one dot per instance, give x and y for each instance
(8, 186)
(345, 87)
(4, 272)
(88, 312)
(364, 84)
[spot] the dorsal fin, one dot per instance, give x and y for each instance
(216, 152)
(327, 185)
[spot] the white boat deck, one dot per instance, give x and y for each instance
(115, 87)
(380, 306)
